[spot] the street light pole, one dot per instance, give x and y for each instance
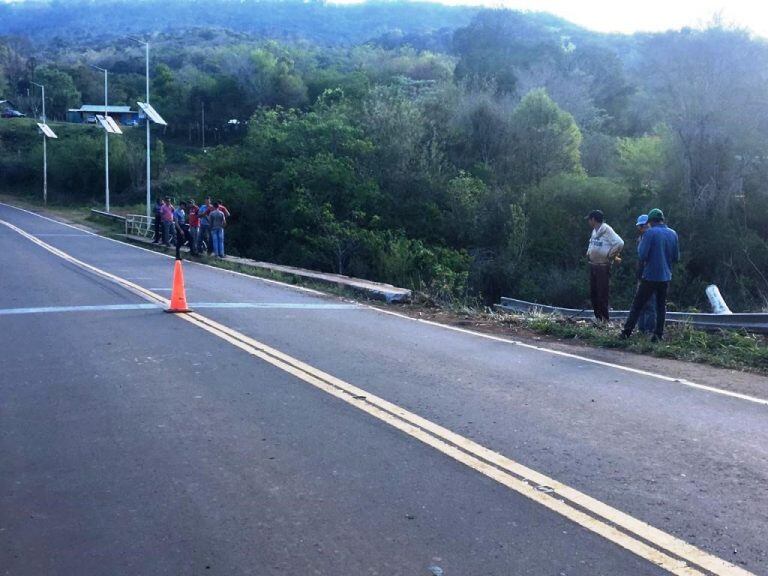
(106, 139)
(147, 122)
(149, 154)
(45, 151)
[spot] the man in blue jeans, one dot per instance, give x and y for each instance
(646, 322)
(217, 221)
(204, 234)
(658, 251)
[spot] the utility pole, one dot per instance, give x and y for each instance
(45, 151)
(150, 115)
(106, 138)
(146, 119)
(202, 107)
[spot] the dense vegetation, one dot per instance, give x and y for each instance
(447, 149)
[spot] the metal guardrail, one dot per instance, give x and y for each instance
(141, 229)
(752, 322)
(108, 215)
(138, 225)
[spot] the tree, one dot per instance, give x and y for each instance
(394, 122)
(709, 88)
(642, 165)
(546, 138)
(498, 43)
(3, 79)
(482, 123)
(60, 91)
(463, 196)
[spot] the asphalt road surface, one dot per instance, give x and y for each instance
(280, 431)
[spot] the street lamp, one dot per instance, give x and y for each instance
(106, 124)
(150, 115)
(149, 172)
(47, 133)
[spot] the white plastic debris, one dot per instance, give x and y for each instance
(716, 300)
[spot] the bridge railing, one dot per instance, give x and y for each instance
(138, 225)
(107, 215)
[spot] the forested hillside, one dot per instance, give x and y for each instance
(83, 21)
(448, 149)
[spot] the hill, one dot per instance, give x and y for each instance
(86, 21)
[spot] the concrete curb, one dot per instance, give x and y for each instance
(365, 288)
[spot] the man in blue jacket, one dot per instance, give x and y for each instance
(658, 251)
(646, 322)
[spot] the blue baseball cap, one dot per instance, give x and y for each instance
(642, 220)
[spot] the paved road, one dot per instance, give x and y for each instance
(133, 442)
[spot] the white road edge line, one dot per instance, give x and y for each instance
(572, 356)
(671, 379)
(635, 535)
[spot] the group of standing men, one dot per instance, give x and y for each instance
(657, 251)
(198, 227)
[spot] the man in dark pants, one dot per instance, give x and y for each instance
(646, 322)
(205, 226)
(658, 251)
(179, 224)
(599, 290)
(604, 247)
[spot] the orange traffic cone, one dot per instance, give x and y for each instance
(178, 295)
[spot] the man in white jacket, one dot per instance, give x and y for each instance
(604, 247)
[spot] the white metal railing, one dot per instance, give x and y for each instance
(108, 215)
(138, 225)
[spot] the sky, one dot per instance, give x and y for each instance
(641, 16)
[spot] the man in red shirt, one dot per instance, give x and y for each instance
(224, 209)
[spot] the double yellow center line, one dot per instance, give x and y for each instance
(654, 545)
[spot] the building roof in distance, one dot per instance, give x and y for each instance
(100, 108)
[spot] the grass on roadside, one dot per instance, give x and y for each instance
(737, 350)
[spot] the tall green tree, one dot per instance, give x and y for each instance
(546, 138)
(60, 91)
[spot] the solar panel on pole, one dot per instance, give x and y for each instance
(46, 130)
(152, 114)
(104, 122)
(115, 128)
